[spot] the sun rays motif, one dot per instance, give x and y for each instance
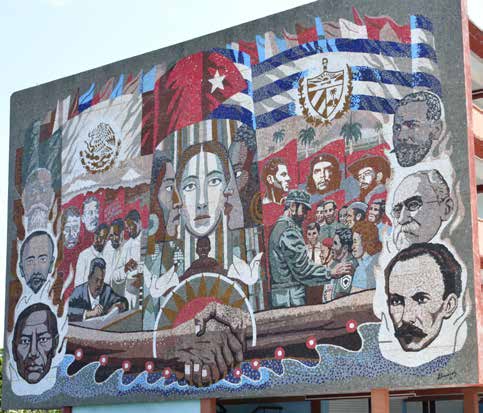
(195, 293)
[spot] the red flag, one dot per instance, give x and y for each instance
(105, 92)
(357, 17)
(132, 84)
(147, 128)
(306, 34)
(46, 126)
(250, 49)
(376, 25)
(74, 105)
(190, 91)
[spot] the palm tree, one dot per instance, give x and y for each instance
(378, 128)
(306, 138)
(351, 131)
(279, 136)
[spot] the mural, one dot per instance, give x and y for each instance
(259, 216)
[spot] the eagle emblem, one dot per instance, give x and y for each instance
(101, 149)
(326, 96)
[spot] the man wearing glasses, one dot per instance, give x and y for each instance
(421, 203)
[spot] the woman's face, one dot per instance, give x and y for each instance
(168, 199)
(202, 192)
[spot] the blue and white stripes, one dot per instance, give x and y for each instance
(383, 72)
(239, 106)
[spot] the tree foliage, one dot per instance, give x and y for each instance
(279, 136)
(307, 136)
(351, 131)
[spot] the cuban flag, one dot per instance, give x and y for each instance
(385, 62)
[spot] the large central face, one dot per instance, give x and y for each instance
(202, 191)
(36, 261)
(322, 175)
(33, 348)
(415, 302)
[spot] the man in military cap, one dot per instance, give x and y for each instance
(291, 269)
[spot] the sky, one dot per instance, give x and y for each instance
(43, 40)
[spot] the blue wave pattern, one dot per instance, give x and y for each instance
(365, 46)
(336, 365)
(406, 52)
(416, 22)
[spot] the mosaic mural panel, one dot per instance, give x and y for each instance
(286, 213)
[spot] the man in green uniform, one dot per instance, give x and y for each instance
(291, 270)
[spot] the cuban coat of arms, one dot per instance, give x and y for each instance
(326, 96)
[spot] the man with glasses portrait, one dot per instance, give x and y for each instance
(422, 202)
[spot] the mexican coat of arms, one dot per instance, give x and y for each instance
(101, 150)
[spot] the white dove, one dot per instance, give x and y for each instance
(248, 274)
(159, 285)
